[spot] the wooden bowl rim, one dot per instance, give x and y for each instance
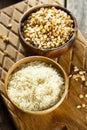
(35, 58)
(34, 9)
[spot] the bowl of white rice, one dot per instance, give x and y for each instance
(36, 85)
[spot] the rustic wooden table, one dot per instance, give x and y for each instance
(15, 52)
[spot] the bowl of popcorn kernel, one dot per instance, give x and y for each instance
(36, 85)
(47, 30)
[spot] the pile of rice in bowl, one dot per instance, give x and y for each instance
(35, 86)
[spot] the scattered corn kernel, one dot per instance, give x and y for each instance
(81, 96)
(78, 106)
(9, 25)
(83, 105)
(76, 69)
(5, 39)
(82, 72)
(86, 95)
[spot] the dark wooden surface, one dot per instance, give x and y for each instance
(5, 3)
(5, 119)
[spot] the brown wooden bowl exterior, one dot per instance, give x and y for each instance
(49, 61)
(53, 52)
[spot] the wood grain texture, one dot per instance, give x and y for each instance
(79, 9)
(67, 116)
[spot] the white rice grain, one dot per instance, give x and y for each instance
(35, 86)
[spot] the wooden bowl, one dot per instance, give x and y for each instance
(52, 52)
(48, 61)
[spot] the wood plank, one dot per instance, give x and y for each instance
(79, 9)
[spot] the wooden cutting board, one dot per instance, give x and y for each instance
(68, 115)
